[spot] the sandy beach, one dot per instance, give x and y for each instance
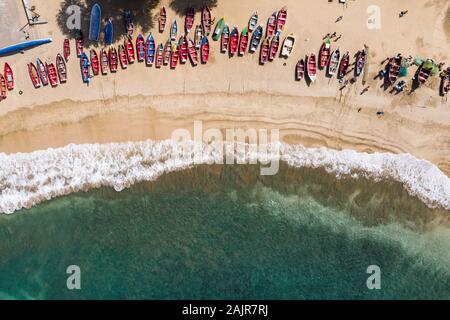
(146, 103)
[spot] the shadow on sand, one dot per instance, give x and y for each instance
(181, 6)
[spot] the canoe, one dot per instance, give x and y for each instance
(334, 62)
(274, 46)
(264, 54)
(174, 31)
(34, 76)
(343, 66)
(243, 42)
(109, 32)
(42, 71)
(189, 22)
(395, 65)
(95, 63)
(140, 48)
(162, 19)
(104, 62)
(79, 43)
(159, 56)
(360, 62)
(9, 76)
(218, 29)
(225, 41)
(123, 57)
(281, 19)
(324, 53)
(311, 67)
(150, 50)
(66, 49)
(234, 41)
(129, 49)
(300, 70)
(193, 53)
(85, 68)
(2, 87)
(113, 59)
(23, 46)
(61, 68)
(167, 52)
(174, 56)
(288, 46)
(256, 39)
(205, 50)
(271, 25)
(198, 37)
(206, 21)
(128, 23)
(253, 22)
(96, 18)
(424, 73)
(183, 49)
(52, 74)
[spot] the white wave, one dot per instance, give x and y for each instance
(27, 179)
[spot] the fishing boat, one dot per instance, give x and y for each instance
(288, 46)
(85, 68)
(34, 76)
(193, 53)
(113, 59)
(123, 56)
(225, 41)
(79, 43)
(324, 53)
(394, 67)
(129, 48)
(109, 32)
(445, 86)
(300, 70)
(311, 67)
(274, 46)
(264, 54)
(360, 62)
(198, 37)
(2, 87)
(9, 76)
(206, 21)
(66, 49)
(128, 22)
(281, 19)
(150, 48)
(174, 56)
(205, 50)
(42, 71)
(104, 61)
(218, 29)
(19, 47)
(271, 25)
(183, 48)
(162, 19)
(343, 66)
(424, 71)
(256, 39)
(189, 22)
(140, 48)
(52, 74)
(61, 68)
(159, 56)
(167, 53)
(243, 41)
(334, 62)
(174, 31)
(95, 63)
(253, 22)
(234, 41)
(96, 19)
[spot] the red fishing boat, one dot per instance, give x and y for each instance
(234, 41)
(52, 74)
(190, 17)
(140, 48)
(61, 68)
(274, 45)
(271, 25)
(243, 42)
(264, 54)
(79, 44)
(159, 56)
(2, 87)
(103, 61)
(205, 50)
(174, 56)
(395, 65)
(324, 54)
(300, 70)
(9, 76)
(113, 59)
(225, 39)
(167, 53)
(34, 76)
(312, 67)
(95, 62)
(66, 49)
(281, 19)
(162, 19)
(193, 53)
(183, 48)
(129, 50)
(343, 66)
(206, 20)
(123, 56)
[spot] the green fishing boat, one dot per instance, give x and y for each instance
(218, 30)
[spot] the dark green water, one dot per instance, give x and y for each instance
(227, 233)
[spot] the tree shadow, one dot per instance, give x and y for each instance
(180, 6)
(141, 11)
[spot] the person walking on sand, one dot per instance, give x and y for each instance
(339, 19)
(402, 13)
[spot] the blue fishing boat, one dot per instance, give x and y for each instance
(174, 31)
(150, 50)
(23, 46)
(109, 31)
(96, 18)
(256, 39)
(85, 68)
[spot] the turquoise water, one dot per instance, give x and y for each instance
(227, 233)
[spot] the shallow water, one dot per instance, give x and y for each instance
(225, 232)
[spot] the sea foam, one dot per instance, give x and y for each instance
(27, 179)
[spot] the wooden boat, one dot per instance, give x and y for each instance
(150, 50)
(162, 19)
(174, 31)
(109, 32)
(183, 48)
(129, 48)
(256, 39)
(189, 22)
(159, 56)
(274, 46)
(198, 37)
(193, 53)
(445, 85)
(300, 70)
(271, 25)
(140, 48)
(129, 25)
(174, 56)
(95, 22)
(2, 87)
(311, 67)
(79, 43)
(253, 22)
(395, 65)
(104, 62)
(167, 52)
(205, 50)
(324, 53)
(343, 66)
(95, 63)
(34, 76)
(206, 21)
(123, 56)
(61, 68)
(42, 71)
(225, 41)
(288, 46)
(234, 41)
(281, 19)
(243, 41)
(113, 59)
(360, 62)
(424, 71)
(66, 49)
(334, 62)
(85, 68)
(264, 54)
(52, 74)
(218, 29)
(9, 76)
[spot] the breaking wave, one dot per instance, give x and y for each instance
(27, 179)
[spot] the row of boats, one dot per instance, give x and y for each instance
(45, 73)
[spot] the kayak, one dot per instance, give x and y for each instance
(23, 46)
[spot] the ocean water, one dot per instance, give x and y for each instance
(226, 232)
